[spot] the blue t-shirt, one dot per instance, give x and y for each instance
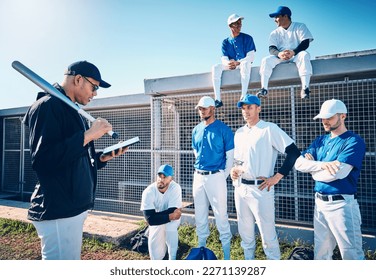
(211, 144)
(238, 47)
(348, 148)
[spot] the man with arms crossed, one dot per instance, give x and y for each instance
(335, 160)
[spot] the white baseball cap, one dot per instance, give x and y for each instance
(205, 102)
(233, 18)
(331, 107)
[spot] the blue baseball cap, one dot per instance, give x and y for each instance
(166, 170)
(282, 10)
(86, 69)
(249, 99)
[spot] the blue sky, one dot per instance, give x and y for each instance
(141, 39)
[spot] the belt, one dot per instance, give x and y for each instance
(206, 172)
(332, 197)
(250, 182)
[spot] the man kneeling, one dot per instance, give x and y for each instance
(161, 203)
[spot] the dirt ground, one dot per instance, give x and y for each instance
(26, 246)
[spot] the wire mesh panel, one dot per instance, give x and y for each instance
(11, 155)
(11, 171)
(121, 182)
(172, 121)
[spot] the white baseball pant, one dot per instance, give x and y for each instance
(256, 206)
(245, 74)
(61, 239)
(161, 238)
(211, 190)
(338, 223)
(302, 61)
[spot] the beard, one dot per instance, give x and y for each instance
(207, 115)
(162, 187)
(333, 127)
(205, 118)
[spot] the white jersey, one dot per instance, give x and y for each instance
(258, 148)
(290, 38)
(152, 198)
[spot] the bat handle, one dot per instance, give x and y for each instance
(83, 113)
(114, 135)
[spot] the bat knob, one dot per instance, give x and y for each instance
(115, 135)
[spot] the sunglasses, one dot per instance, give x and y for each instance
(95, 87)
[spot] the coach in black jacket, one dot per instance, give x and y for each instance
(64, 158)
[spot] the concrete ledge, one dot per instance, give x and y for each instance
(13, 111)
(123, 101)
(323, 70)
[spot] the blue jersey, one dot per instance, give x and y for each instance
(211, 144)
(347, 148)
(238, 47)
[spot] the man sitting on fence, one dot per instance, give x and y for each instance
(287, 43)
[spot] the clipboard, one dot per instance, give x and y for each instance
(122, 144)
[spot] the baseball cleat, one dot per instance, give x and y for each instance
(218, 103)
(262, 93)
(304, 94)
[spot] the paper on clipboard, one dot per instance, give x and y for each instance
(122, 144)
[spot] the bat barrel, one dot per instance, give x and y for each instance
(43, 84)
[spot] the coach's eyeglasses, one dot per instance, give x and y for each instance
(95, 87)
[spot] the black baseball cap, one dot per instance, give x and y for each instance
(86, 69)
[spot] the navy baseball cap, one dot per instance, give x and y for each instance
(249, 99)
(282, 10)
(166, 170)
(86, 69)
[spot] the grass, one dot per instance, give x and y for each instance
(188, 238)
(19, 241)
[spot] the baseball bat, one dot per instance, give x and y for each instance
(43, 84)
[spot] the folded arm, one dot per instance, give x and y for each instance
(328, 176)
(323, 171)
(159, 218)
